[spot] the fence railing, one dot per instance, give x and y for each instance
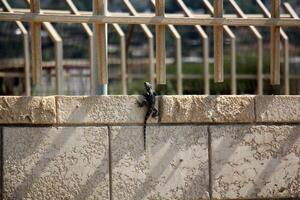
(100, 17)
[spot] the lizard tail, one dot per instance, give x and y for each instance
(145, 126)
(145, 135)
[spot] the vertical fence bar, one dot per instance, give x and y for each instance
(123, 64)
(204, 37)
(206, 66)
(36, 45)
(294, 15)
(92, 64)
(282, 34)
(59, 67)
(275, 45)
(160, 44)
(122, 38)
(286, 68)
(233, 66)
(27, 64)
(149, 35)
(259, 48)
(218, 43)
(26, 47)
(232, 50)
(58, 52)
(260, 80)
(179, 66)
(151, 60)
(100, 8)
(178, 55)
(178, 59)
(89, 33)
(130, 31)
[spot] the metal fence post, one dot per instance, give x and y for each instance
(100, 67)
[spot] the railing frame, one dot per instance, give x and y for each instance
(101, 17)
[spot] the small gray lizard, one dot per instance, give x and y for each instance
(149, 101)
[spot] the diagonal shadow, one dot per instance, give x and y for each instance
(120, 145)
(48, 155)
(225, 143)
(270, 168)
(152, 179)
(188, 191)
(98, 175)
(87, 189)
(228, 144)
(84, 108)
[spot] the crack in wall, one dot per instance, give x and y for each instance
(109, 163)
(209, 162)
(1, 163)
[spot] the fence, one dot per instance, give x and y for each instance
(100, 17)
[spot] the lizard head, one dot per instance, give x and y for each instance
(148, 86)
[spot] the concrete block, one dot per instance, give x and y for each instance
(207, 109)
(255, 162)
(175, 165)
(278, 109)
(100, 110)
(56, 163)
(27, 110)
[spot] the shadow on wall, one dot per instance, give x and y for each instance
(255, 161)
(73, 162)
(57, 166)
(98, 161)
(175, 165)
(282, 151)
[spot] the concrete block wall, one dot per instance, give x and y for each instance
(201, 147)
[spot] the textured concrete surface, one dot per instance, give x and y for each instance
(175, 165)
(207, 109)
(56, 163)
(117, 110)
(278, 109)
(100, 110)
(251, 162)
(27, 110)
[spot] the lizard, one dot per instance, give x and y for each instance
(148, 101)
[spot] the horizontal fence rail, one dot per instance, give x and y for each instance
(149, 19)
(101, 17)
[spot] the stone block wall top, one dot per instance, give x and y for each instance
(278, 109)
(207, 109)
(100, 110)
(27, 110)
(118, 110)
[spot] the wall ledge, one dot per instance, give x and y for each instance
(118, 110)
